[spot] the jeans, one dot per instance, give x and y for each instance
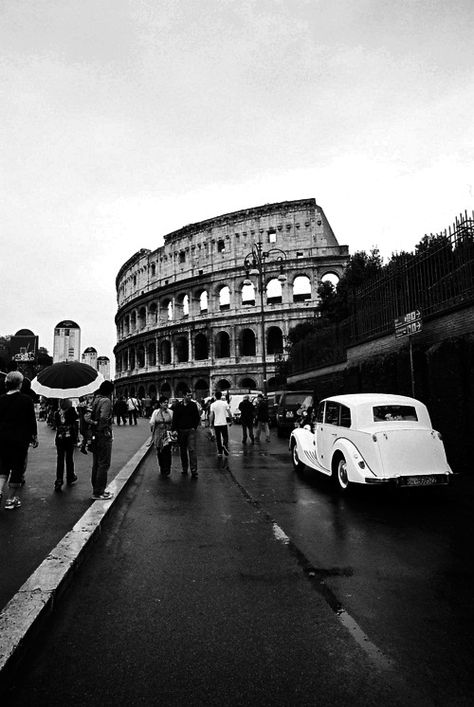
(247, 427)
(65, 449)
(132, 417)
(187, 445)
(222, 438)
(102, 456)
(263, 427)
(164, 459)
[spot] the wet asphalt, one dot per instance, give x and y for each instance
(256, 585)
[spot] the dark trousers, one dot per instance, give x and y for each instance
(164, 459)
(121, 418)
(102, 456)
(132, 417)
(222, 438)
(247, 427)
(187, 447)
(13, 459)
(65, 451)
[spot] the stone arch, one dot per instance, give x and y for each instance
(301, 288)
(201, 388)
(151, 351)
(223, 384)
(181, 389)
(133, 321)
(141, 356)
(248, 384)
(274, 340)
(165, 351)
(141, 319)
(222, 349)
(247, 342)
(165, 389)
(182, 349)
(201, 347)
(274, 291)
(247, 294)
(182, 303)
(332, 277)
(203, 301)
(141, 392)
(131, 358)
(167, 309)
(223, 294)
(153, 314)
(126, 324)
(152, 391)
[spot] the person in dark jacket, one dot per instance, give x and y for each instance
(66, 424)
(186, 420)
(247, 414)
(263, 417)
(100, 419)
(18, 430)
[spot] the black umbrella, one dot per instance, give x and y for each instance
(67, 379)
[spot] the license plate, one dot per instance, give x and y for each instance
(423, 480)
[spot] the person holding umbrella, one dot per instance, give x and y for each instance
(65, 422)
(100, 420)
(18, 430)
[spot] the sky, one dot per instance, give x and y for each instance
(123, 120)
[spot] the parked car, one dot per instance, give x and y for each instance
(291, 401)
(236, 399)
(373, 439)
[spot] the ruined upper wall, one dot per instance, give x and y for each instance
(300, 228)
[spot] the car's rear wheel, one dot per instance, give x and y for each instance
(297, 464)
(341, 474)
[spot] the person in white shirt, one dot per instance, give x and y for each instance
(218, 415)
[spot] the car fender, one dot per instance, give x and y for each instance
(356, 473)
(302, 437)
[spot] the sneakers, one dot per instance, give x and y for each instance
(58, 486)
(72, 480)
(104, 496)
(12, 503)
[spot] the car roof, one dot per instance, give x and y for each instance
(355, 399)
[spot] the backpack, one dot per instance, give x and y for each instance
(64, 430)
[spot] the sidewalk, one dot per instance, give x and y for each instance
(28, 610)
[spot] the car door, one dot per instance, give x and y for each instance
(327, 431)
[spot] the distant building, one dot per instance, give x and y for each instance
(103, 366)
(23, 346)
(67, 341)
(90, 356)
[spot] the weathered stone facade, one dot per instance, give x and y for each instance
(187, 320)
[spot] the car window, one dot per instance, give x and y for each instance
(345, 419)
(293, 399)
(320, 413)
(394, 413)
(332, 413)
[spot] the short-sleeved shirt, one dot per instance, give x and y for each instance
(221, 412)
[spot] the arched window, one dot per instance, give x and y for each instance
(274, 291)
(181, 389)
(165, 389)
(125, 360)
(170, 311)
(203, 301)
(201, 388)
(126, 325)
(152, 391)
(141, 392)
(301, 288)
(152, 354)
(248, 383)
(141, 318)
(201, 348)
(140, 357)
(131, 358)
(165, 352)
(153, 270)
(274, 340)
(247, 342)
(223, 384)
(183, 304)
(182, 349)
(133, 321)
(222, 345)
(224, 297)
(331, 277)
(248, 294)
(167, 310)
(153, 314)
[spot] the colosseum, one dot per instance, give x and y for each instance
(212, 307)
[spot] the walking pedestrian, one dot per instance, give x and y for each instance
(18, 429)
(82, 409)
(218, 416)
(247, 415)
(100, 420)
(186, 420)
(161, 423)
(66, 423)
(262, 418)
(132, 407)
(121, 410)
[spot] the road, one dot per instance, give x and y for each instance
(257, 585)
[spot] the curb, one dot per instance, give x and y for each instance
(27, 611)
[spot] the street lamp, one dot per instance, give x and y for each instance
(254, 264)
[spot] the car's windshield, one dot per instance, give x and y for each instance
(296, 399)
(394, 413)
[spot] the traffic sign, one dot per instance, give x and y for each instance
(414, 316)
(408, 329)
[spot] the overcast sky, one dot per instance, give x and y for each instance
(123, 120)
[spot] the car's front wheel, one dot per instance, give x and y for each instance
(297, 464)
(341, 474)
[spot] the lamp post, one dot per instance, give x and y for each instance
(254, 264)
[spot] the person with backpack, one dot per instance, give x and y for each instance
(66, 425)
(132, 407)
(100, 420)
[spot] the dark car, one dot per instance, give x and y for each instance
(273, 398)
(290, 402)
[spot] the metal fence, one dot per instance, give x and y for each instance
(439, 276)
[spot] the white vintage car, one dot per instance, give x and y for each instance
(372, 438)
